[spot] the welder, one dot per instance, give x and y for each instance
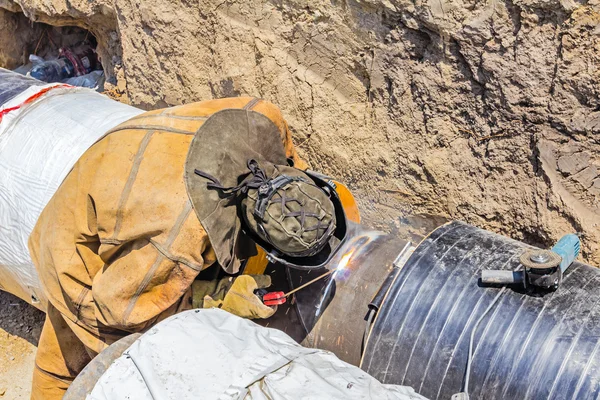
(157, 200)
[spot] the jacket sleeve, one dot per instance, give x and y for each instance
(151, 242)
(147, 280)
(116, 252)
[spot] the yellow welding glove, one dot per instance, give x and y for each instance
(235, 295)
(215, 289)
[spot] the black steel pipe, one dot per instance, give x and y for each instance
(330, 314)
(531, 345)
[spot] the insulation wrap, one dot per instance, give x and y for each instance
(44, 129)
(212, 354)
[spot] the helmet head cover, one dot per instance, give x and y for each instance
(244, 195)
(289, 211)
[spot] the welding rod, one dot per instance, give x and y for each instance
(310, 282)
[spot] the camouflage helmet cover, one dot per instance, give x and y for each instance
(290, 212)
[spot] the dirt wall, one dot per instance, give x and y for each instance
(484, 111)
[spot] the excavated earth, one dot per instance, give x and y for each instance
(483, 111)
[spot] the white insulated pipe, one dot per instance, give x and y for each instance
(44, 130)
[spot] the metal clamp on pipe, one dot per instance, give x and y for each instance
(499, 277)
(542, 269)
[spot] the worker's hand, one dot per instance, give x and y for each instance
(240, 298)
(215, 289)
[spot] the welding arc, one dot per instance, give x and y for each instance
(310, 282)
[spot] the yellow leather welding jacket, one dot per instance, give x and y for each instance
(119, 245)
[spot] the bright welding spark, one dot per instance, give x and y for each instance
(345, 260)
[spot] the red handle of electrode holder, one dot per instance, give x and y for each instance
(274, 298)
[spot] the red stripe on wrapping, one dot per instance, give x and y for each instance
(32, 99)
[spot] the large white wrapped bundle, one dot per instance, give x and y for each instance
(211, 354)
(40, 141)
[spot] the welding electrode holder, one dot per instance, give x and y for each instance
(271, 298)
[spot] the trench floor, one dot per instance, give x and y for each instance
(20, 328)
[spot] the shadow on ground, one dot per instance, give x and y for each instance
(20, 319)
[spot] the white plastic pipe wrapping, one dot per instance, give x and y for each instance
(211, 354)
(40, 141)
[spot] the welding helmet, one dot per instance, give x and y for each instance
(295, 216)
(245, 192)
